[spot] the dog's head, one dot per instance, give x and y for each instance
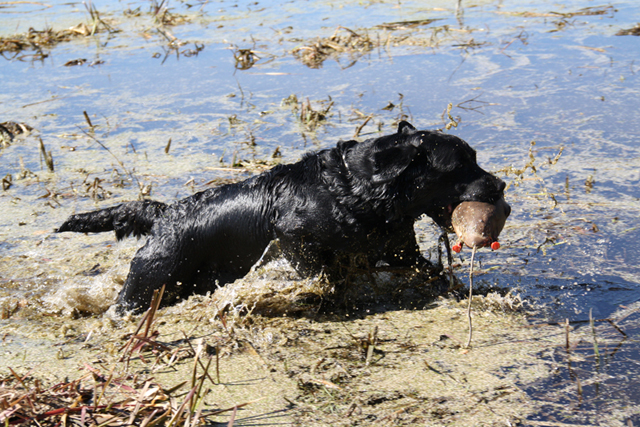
(423, 172)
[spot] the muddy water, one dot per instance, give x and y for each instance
(514, 71)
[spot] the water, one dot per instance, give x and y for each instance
(515, 72)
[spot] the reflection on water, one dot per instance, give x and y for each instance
(176, 98)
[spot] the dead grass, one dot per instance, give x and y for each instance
(354, 45)
(634, 31)
(116, 397)
(41, 40)
(9, 130)
(230, 358)
(343, 41)
(310, 117)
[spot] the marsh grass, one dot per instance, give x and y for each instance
(10, 130)
(117, 395)
(42, 40)
(404, 367)
(343, 41)
(310, 116)
(39, 40)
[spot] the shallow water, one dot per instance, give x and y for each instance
(515, 72)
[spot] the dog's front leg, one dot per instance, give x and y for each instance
(161, 261)
(400, 248)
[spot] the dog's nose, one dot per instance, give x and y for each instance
(507, 210)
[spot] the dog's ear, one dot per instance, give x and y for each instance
(384, 159)
(390, 163)
(405, 127)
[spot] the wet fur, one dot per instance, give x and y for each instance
(358, 198)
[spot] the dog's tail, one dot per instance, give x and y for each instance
(125, 219)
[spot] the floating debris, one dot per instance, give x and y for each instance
(587, 11)
(309, 116)
(342, 41)
(7, 182)
(245, 58)
(73, 62)
(44, 39)
(48, 38)
(8, 130)
(162, 14)
(405, 25)
(635, 31)
(313, 118)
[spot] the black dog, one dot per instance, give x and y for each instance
(359, 198)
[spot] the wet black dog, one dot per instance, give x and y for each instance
(359, 198)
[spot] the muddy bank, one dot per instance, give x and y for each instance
(403, 366)
(398, 367)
